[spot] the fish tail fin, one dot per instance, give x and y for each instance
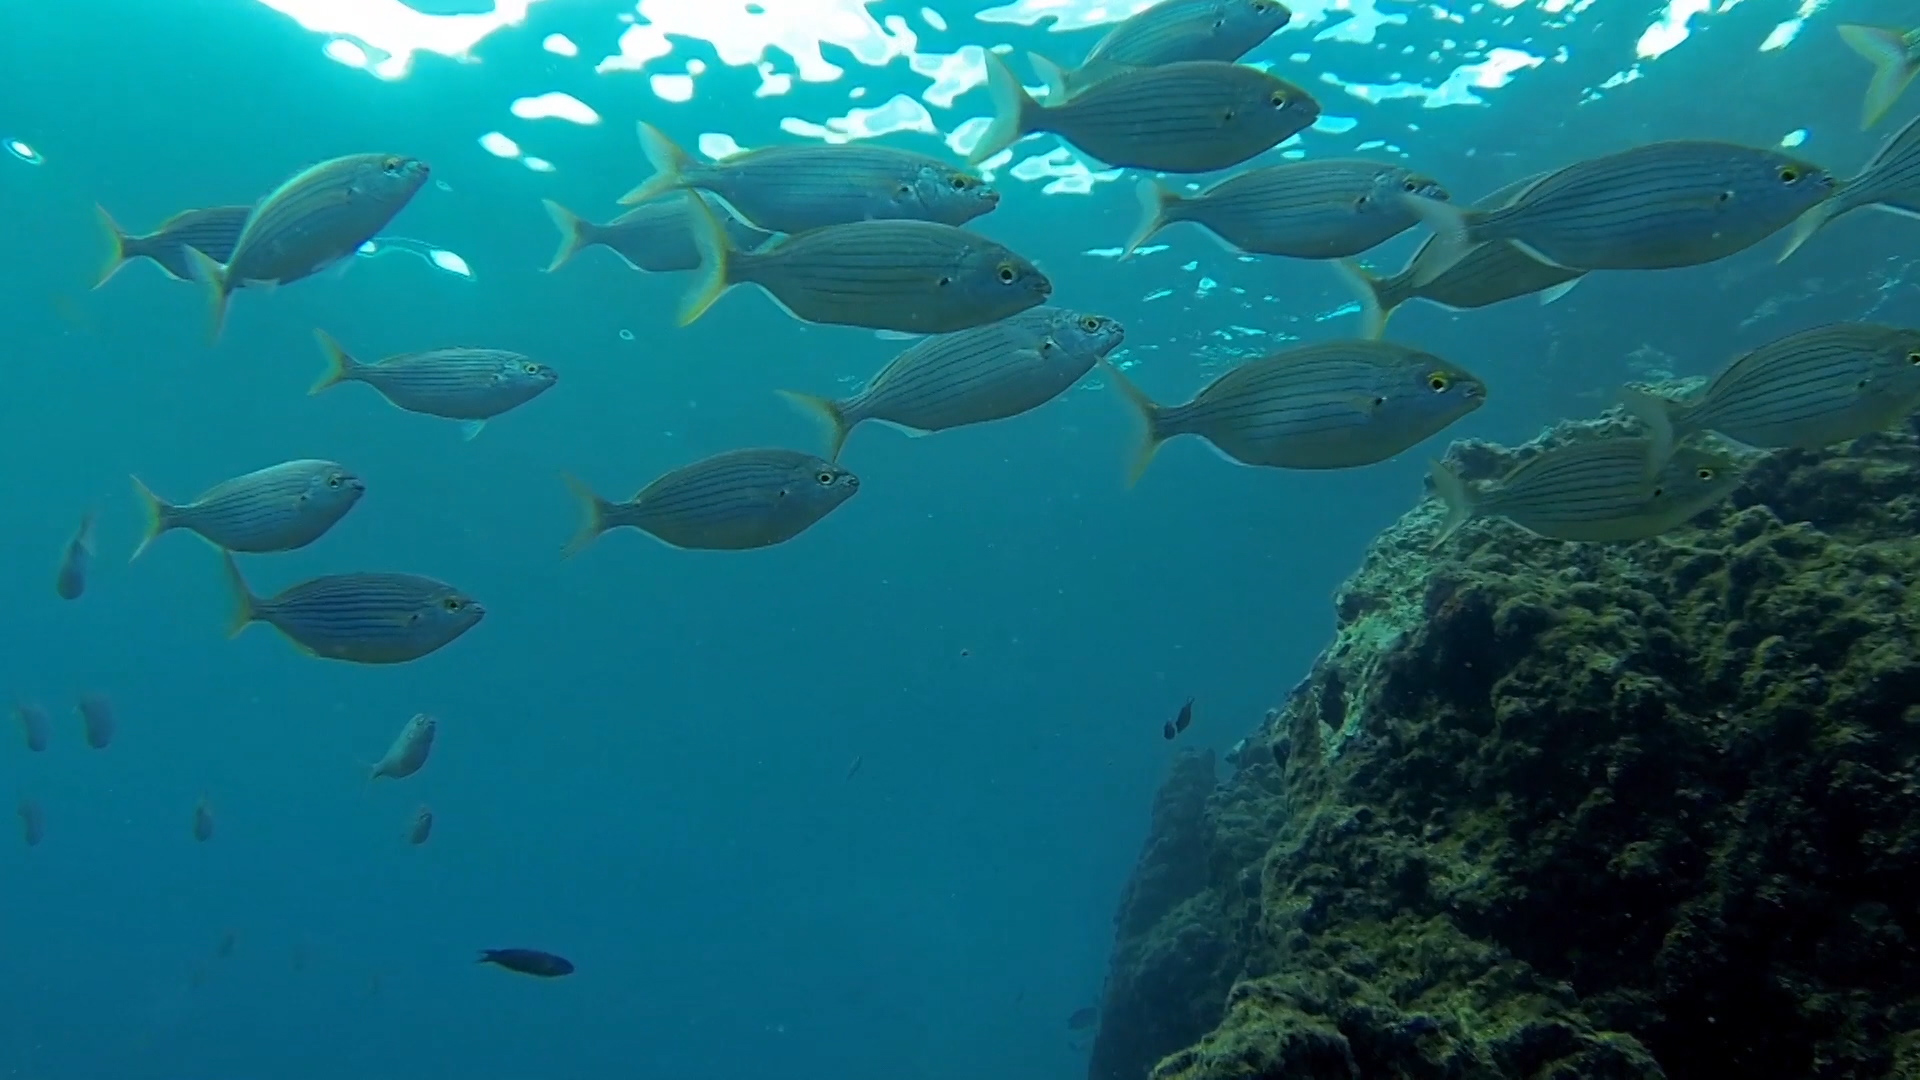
(1658, 414)
(670, 166)
(593, 515)
(1459, 498)
(1156, 204)
(716, 253)
(1057, 79)
(341, 366)
(159, 516)
(576, 234)
(1366, 289)
(1812, 221)
(828, 412)
(1153, 433)
(219, 289)
(1453, 234)
(118, 255)
(246, 606)
(1893, 68)
(1013, 109)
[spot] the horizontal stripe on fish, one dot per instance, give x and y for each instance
(366, 618)
(974, 376)
(1890, 182)
(280, 508)
(1593, 491)
(213, 231)
(656, 237)
(1303, 210)
(735, 501)
(1169, 32)
(474, 385)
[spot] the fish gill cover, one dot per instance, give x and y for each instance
(848, 785)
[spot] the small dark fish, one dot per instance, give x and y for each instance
(228, 941)
(365, 618)
(656, 237)
(202, 820)
(421, 827)
(854, 767)
(734, 501)
(1895, 56)
(33, 825)
(1302, 210)
(315, 219)
(1594, 491)
(280, 508)
(790, 189)
(1196, 116)
(1890, 182)
(71, 580)
(409, 749)
(1169, 32)
(213, 231)
(97, 720)
(1185, 718)
(528, 962)
(34, 724)
(1083, 1019)
(470, 385)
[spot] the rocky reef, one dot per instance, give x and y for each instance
(1553, 810)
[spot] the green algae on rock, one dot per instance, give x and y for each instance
(1549, 809)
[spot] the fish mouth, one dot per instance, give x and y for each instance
(356, 484)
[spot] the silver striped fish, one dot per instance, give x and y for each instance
(1335, 405)
(1302, 210)
(1653, 207)
(988, 373)
(315, 219)
(97, 723)
(656, 237)
(470, 385)
(1890, 182)
(279, 508)
(1827, 385)
(408, 752)
(1488, 274)
(1169, 32)
(364, 618)
(1895, 56)
(34, 724)
(1190, 117)
(420, 827)
(791, 189)
(917, 277)
(214, 231)
(735, 501)
(1593, 491)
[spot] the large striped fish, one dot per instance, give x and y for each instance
(1302, 210)
(1334, 405)
(734, 501)
(1827, 385)
(656, 237)
(315, 219)
(1592, 491)
(791, 189)
(364, 618)
(917, 277)
(987, 373)
(1653, 207)
(279, 508)
(469, 385)
(1170, 32)
(1890, 182)
(1196, 116)
(213, 231)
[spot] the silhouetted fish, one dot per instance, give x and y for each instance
(544, 965)
(1083, 1019)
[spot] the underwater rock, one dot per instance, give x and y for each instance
(1562, 810)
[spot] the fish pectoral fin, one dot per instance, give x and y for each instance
(1365, 405)
(472, 429)
(1539, 256)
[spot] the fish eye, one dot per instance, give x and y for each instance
(1704, 473)
(1008, 273)
(1789, 174)
(1279, 99)
(453, 603)
(824, 477)
(333, 481)
(961, 182)
(1090, 323)
(1438, 382)
(1913, 358)
(392, 166)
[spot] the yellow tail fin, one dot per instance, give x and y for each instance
(1366, 289)
(574, 234)
(159, 516)
(715, 253)
(1893, 67)
(1152, 435)
(1457, 495)
(1156, 200)
(1013, 109)
(831, 415)
(219, 291)
(670, 165)
(246, 606)
(593, 516)
(341, 366)
(119, 256)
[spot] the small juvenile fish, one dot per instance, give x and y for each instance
(1831, 384)
(1488, 274)
(409, 750)
(734, 501)
(279, 508)
(1895, 56)
(1653, 207)
(1083, 1019)
(1196, 116)
(33, 825)
(656, 237)
(470, 385)
(213, 231)
(34, 724)
(1178, 724)
(202, 821)
(1592, 491)
(421, 827)
(96, 719)
(987, 373)
(1169, 32)
(916, 277)
(790, 189)
(315, 219)
(528, 962)
(1890, 182)
(1302, 210)
(70, 582)
(1334, 405)
(366, 618)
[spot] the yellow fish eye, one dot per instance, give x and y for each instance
(1704, 473)
(1090, 324)
(1279, 99)
(962, 182)
(453, 603)
(823, 476)
(1789, 174)
(1008, 273)
(1438, 382)
(391, 166)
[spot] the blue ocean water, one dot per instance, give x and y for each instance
(644, 753)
